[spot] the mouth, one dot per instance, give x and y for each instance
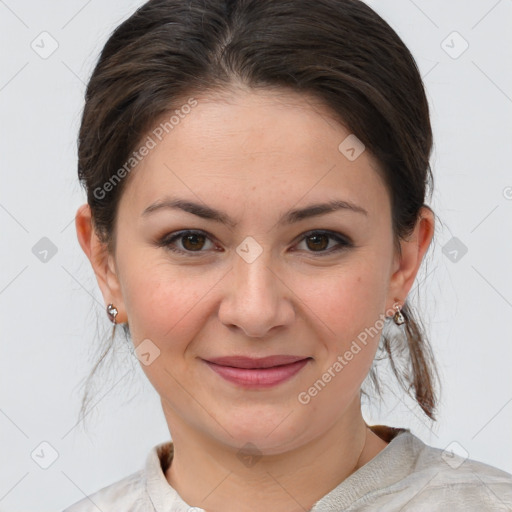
(255, 363)
(264, 372)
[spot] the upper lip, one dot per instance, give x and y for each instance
(250, 362)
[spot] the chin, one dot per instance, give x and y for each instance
(266, 437)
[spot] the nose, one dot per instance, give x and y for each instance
(257, 299)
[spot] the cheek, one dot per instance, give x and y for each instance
(349, 316)
(349, 307)
(349, 299)
(162, 300)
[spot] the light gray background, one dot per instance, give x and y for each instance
(49, 310)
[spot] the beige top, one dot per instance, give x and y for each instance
(407, 475)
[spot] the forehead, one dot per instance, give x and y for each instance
(245, 146)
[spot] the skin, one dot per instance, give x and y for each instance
(255, 155)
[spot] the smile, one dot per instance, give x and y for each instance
(260, 375)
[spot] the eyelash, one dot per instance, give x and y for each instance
(167, 240)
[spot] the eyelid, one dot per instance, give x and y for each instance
(332, 234)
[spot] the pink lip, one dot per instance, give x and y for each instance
(257, 373)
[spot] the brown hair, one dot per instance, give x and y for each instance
(339, 51)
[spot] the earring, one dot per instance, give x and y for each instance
(398, 318)
(112, 313)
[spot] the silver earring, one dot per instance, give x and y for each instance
(112, 313)
(398, 318)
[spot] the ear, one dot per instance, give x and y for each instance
(102, 262)
(408, 262)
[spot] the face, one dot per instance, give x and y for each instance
(252, 270)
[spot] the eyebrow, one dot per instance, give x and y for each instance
(290, 217)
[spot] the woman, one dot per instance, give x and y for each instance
(256, 174)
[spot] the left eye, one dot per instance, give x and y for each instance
(318, 241)
(195, 241)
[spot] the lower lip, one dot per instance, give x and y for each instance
(258, 378)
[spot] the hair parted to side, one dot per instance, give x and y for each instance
(338, 51)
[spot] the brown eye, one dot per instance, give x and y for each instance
(320, 242)
(193, 241)
(317, 242)
(187, 243)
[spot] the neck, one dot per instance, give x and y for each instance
(210, 475)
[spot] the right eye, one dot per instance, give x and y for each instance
(191, 241)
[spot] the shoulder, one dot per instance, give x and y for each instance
(442, 480)
(141, 491)
(126, 494)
